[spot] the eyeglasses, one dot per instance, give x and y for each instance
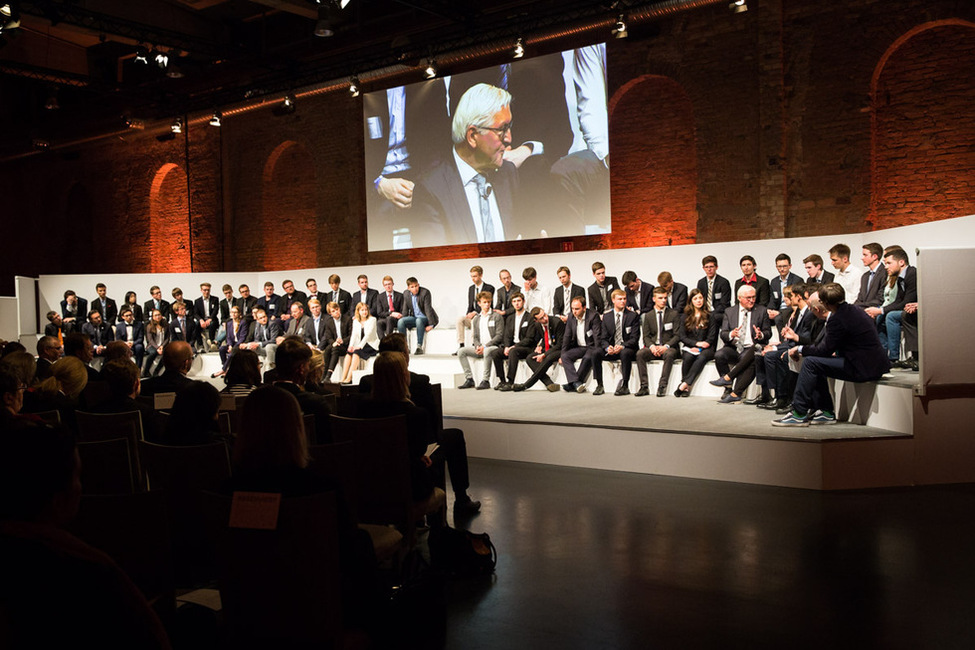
(500, 131)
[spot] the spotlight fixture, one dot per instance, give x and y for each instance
(354, 86)
(323, 28)
(161, 59)
(134, 122)
(430, 71)
(5, 9)
(141, 55)
(177, 125)
(286, 107)
(40, 143)
(215, 119)
(519, 50)
(620, 30)
(739, 6)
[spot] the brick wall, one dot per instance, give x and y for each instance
(792, 119)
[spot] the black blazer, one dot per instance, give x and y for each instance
(136, 312)
(762, 290)
(472, 296)
(827, 277)
(245, 305)
(189, 335)
(524, 331)
(298, 296)
(101, 335)
(678, 297)
(309, 334)
(906, 291)
(556, 334)
(721, 299)
(646, 298)
(225, 306)
(425, 301)
(672, 328)
(558, 298)
(344, 300)
(593, 327)
(631, 330)
(503, 299)
(331, 336)
(164, 308)
(759, 319)
(371, 296)
(138, 331)
(273, 305)
(852, 335)
(81, 314)
(109, 313)
(776, 287)
(872, 293)
(596, 300)
(709, 334)
(214, 304)
(264, 335)
(382, 305)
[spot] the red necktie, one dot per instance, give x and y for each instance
(389, 296)
(546, 339)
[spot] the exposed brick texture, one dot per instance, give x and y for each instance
(793, 119)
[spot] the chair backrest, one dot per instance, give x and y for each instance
(383, 492)
(94, 427)
(437, 416)
(94, 393)
(163, 400)
(309, 421)
(106, 467)
(223, 422)
(348, 405)
(279, 588)
(337, 463)
(228, 402)
(133, 530)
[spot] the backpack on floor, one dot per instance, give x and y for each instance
(462, 553)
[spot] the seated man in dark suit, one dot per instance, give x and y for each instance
(418, 312)
(564, 293)
(784, 278)
(48, 351)
(503, 294)
(338, 332)
(516, 343)
(547, 338)
(744, 330)
(872, 281)
(716, 288)
(58, 327)
(104, 305)
(338, 295)
(478, 286)
(177, 361)
(157, 302)
(262, 337)
(619, 340)
(312, 286)
(98, 331)
(389, 308)
(297, 324)
(850, 350)
(182, 328)
(661, 340)
(453, 445)
(801, 327)
(78, 344)
(74, 310)
(752, 279)
(206, 312)
(270, 302)
(599, 291)
(132, 333)
(293, 359)
(291, 296)
(364, 294)
(814, 269)
(676, 292)
(581, 342)
(122, 377)
(639, 294)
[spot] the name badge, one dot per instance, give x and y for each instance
(589, 333)
(668, 326)
(627, 329)
(775, 294)
(717, 295)
(178, 330)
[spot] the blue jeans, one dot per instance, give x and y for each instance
(411, 322)
(889, 330)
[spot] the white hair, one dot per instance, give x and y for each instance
(477, 107)
(745, 288)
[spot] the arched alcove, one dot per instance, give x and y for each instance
(654, 162)
(923, 126)
(288, 216)
(169, 226)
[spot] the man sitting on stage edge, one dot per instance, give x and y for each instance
(852, 336)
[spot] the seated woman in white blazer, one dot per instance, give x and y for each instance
(363, 343)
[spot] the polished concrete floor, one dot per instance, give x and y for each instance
(594, 559)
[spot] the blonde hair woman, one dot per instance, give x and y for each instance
(363, 343)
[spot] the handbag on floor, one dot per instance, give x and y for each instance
(462, 553)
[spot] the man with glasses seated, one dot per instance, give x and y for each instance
(467, 198)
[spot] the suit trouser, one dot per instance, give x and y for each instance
(332, 355)
(540, 368)
(569, 357)
(463, 323)
(812, 389)
(778, 376)
(464, 355)
(515, 355)
(693, 364)
(267, 351)
(644, 356)
(744, 366)
(453, 446)
(386, 325)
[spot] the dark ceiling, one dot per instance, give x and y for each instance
(82, 53)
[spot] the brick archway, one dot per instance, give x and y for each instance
(169, 228)
(289, 220)
(923, 126)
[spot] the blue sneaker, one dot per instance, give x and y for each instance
(823, 417)
(730, 399)
(721, 381)
(791, 420)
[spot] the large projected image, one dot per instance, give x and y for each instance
(517, 151)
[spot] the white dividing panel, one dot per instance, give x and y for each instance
(8, 318)
(25, 290)
(946, 313)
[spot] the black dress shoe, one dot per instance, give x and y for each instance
(418, 352)
(784, 410)
(912, 365)
(521, 387)
(599, 390)
(505, 387)
(662, 391)
(767, 406)
(721, 381)
(643, 392)
(466, 506)
(757, 401)
(467, 384)
(622, 390)
(483, 385)
(686, 392)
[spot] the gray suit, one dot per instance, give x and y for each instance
(495, 324)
